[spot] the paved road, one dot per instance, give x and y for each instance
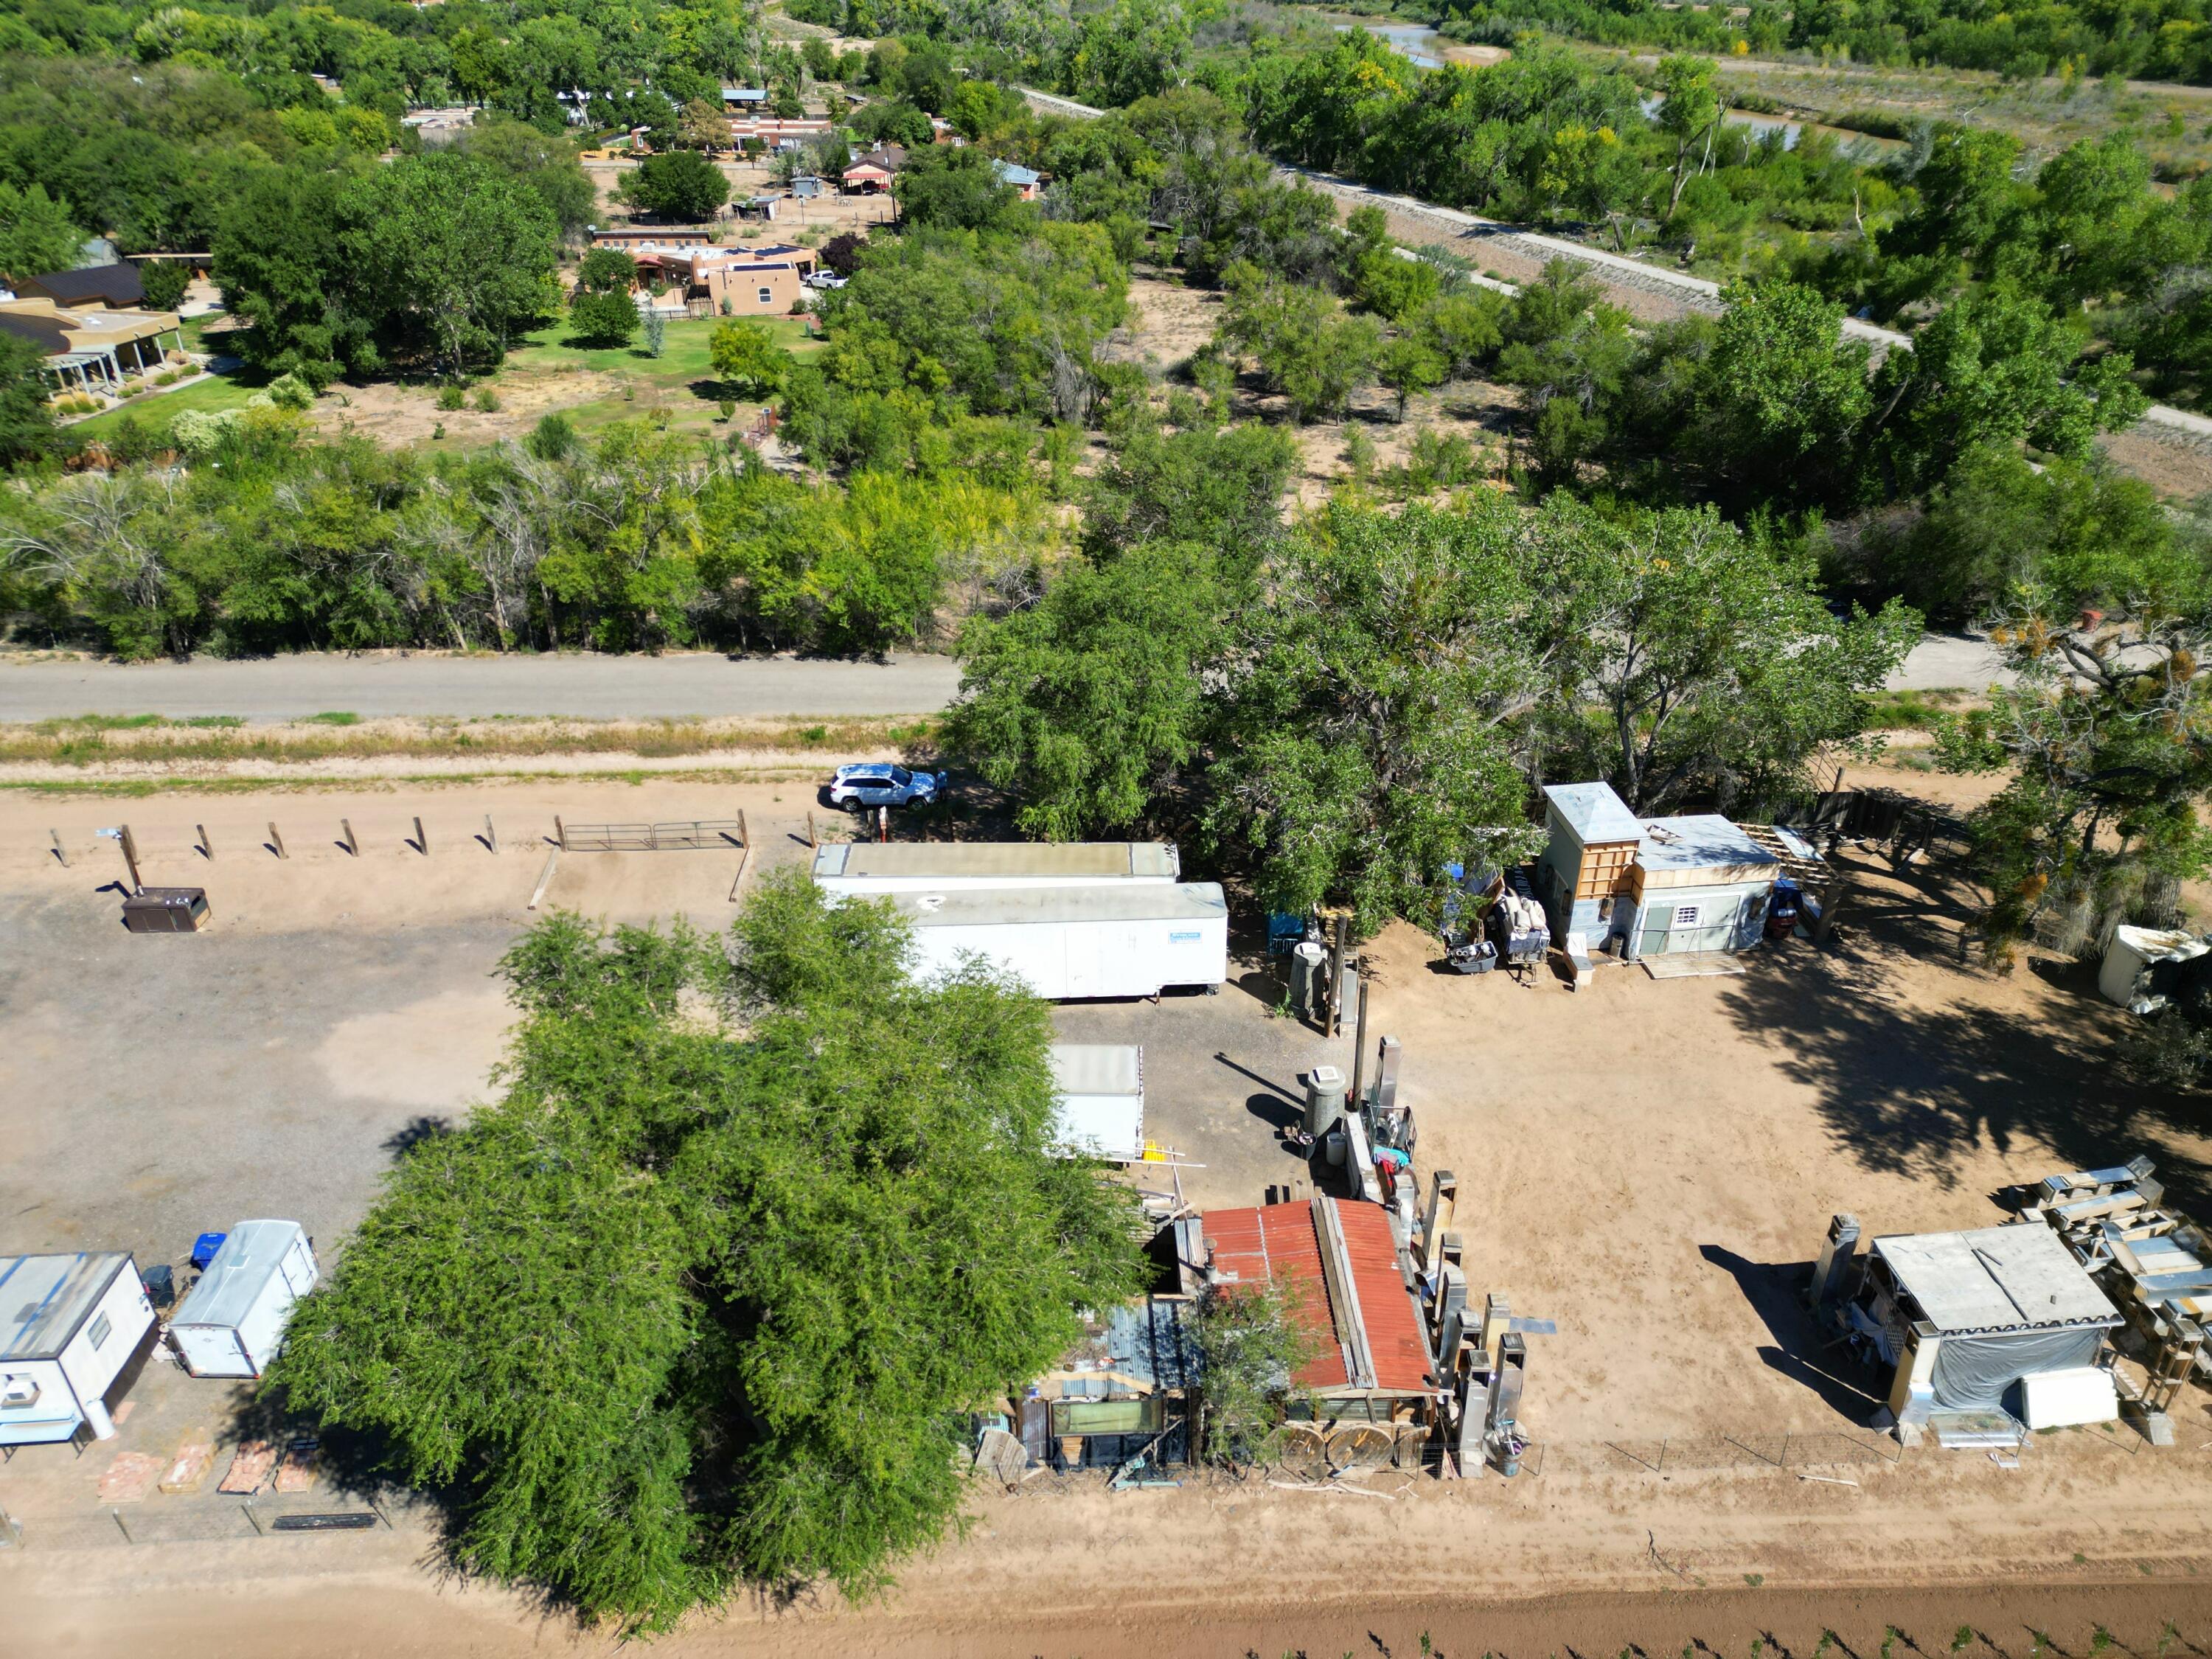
(604, 687)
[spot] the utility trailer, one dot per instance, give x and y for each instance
(1131, 939)
(1101, 1089)
(950, 867)
(233, 1322)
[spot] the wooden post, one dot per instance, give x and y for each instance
(131, 856)
(811, 839)
(745, 838)
(1332, 1019)
(276, 841)
(560, 836)
(207, 847)
(491, 836)
(1831, 901)
(351, 845)
(422, 840)
(545, 877)
(60, 851)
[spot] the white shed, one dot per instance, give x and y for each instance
(1128, 939)
(1102, 1098)
(944, 866)
(233, 1322)
(70, 1325)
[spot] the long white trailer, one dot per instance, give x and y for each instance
(233, 1323)
(1126, 940)
(949, 867)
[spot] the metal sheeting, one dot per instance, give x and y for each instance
(44, 1298)
(1995, 1278)
(229, 1291)
(1046, 906)
(923, 860)
(1100, 1108)
(1592, 812)
(1975, 1373)
(1280, 1242)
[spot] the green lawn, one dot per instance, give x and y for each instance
(157, 408)
(681, 379)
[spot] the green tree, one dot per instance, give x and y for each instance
(38, 234)
(1308, 348)
(1690, 111)
(1782, 398)
(546, 165)
(165, 281)
(452, 257)
(959, 188)
(1363, 709)
(684, 1307)
(1251, 1341)
(280, 264)
(606, 271)
(26, 425)
(605, 319)
(1219, 486)
(679, 185)
(746, 356)
(1406, 365)
(1087, 705)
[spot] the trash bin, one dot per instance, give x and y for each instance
(1308, 962)
(166, 910)
(1325, 1092)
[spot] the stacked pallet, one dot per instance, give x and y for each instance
(2152, 1262)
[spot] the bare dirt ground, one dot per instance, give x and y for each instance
(1650, 1163)
(400, 417)
(1170, 321)
(2178, 470)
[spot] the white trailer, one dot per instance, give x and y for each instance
(1102, 1099)
(70, 1325)
(948, 866)
(1126, 940)
(233, 1322)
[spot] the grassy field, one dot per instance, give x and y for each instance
(158, 409)
(680, 383)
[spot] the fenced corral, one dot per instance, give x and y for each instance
(1811, 1450)
(696, 835)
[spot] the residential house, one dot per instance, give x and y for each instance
(745, 101)
(872, 174)
(113, 287)
(1024, 181)
(95, 347)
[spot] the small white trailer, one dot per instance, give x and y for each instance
(1127, 940)
(948, 866)
(233, 1322)
(70, 1325)
(1102, 1099)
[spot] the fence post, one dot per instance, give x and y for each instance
(60, 851)
(560, 834)
(207, 847)
(422, 840)
(276, 841)
(351, 845)
(811, 839)
(745, 835)
(491, 836)
(116, 1516)
(251, 1519)
(129, 845)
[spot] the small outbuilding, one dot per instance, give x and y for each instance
(233, 1323)
(1995, 1320)
(1102, 1099)
(1658, 886)
(70, 1328)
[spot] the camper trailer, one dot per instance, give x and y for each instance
(70, 1326)
(233, 1322)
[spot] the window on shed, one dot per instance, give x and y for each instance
(101, 1328)
(1685, 915)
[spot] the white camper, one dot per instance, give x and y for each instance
(233, 1322)
(1102, 1099)
(1126, 941)
(949, 867)
(70, 1325)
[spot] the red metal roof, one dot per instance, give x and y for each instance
(1279, 1241)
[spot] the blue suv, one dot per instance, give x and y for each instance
(876, 783)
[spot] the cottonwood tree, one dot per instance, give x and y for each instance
(1363, 737)
(685, 1308)
(1709, 661)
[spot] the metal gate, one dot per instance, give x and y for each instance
(698, 835)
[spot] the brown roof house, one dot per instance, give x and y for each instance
(872, 174)
(93, 347)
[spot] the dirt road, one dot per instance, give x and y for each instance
(401, 683)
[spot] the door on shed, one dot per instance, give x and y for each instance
(1687, 918)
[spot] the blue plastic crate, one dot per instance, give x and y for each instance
(204, 1247)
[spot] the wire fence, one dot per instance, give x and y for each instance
(191, 1520)
(1812, 1450)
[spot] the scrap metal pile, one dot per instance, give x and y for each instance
(2152, 1262)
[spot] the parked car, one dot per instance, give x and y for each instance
(875, 783)
(823, 279)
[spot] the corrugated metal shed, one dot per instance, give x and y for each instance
(1594, 812)
(1996, 1279)
(44, 1298)
(1284, 1242)
(925, 860)
(989, 907)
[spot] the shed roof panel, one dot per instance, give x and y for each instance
(1996, 1279)
(44, 1298)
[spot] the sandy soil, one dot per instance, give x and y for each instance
(2178, 471)
(1169, 323)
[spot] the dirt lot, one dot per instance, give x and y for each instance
(1651, 1163)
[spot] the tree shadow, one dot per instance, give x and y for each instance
(417, 1131)
(1911, 1085)
(1800, 1350)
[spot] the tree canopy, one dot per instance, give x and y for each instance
(690, 1305)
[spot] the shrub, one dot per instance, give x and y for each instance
(290, 392)
(451, 395)
(487, 402)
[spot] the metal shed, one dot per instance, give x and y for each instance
(70, 1326)
(1102, 1098)
(1969, 1317)
(233, 1323)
